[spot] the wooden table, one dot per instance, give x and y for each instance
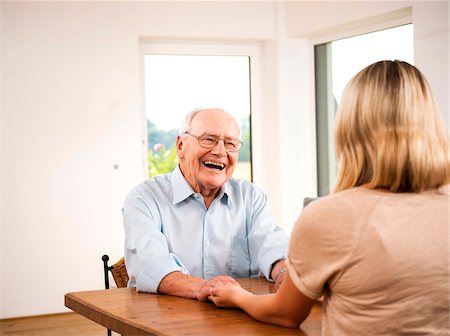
(131, 313)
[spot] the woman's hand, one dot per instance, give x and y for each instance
(227, 295)
(205, 289)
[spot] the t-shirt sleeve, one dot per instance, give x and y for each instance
(321, 242)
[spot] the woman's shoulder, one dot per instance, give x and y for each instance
(336, 220)
(343, 209)
(342, 201)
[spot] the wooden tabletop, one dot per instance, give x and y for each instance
(131, 313)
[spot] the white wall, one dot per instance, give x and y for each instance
(431, 49)
(72, 110)
(2, 234)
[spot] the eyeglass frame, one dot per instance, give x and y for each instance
(217, 138)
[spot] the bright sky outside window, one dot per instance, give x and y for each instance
(351, 55)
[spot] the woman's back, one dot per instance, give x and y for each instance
(381, 259)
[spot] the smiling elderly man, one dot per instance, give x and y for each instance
(187, 230)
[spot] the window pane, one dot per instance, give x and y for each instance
(177, 84)
(353, 54)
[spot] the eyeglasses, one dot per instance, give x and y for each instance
(209, 141)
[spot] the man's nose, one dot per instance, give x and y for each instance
(219, 147)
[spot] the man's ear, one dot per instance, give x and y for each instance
(180, 147)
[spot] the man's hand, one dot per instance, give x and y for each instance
(205, 288)
(179, 284)
(280, 278)
(278, 273)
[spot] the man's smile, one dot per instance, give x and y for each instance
(214, 165)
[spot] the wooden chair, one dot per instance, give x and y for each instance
(119, 273)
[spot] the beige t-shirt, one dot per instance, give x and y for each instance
(380, 259)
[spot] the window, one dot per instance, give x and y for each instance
(178, 82)
(335, 64)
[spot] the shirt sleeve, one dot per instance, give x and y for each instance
(320, 245)
(268, 243)
(147, 254)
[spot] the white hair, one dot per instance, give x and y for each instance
(187, 120)
(186, 124)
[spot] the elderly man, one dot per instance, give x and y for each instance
(188, 230)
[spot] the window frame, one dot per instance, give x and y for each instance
(210, 48)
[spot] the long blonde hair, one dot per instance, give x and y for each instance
(389, 133)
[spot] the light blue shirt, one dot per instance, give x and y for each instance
(168, 228)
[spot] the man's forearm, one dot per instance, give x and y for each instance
(179, 284)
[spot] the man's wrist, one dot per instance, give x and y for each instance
(276, 267)
(281, 271)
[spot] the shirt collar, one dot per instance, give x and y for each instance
(226, 194)
(182, 189)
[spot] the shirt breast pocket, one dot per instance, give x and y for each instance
(240, 258)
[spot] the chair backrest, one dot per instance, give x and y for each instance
(118, 271)
(308, 200)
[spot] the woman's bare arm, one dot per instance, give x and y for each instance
(288, 307)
